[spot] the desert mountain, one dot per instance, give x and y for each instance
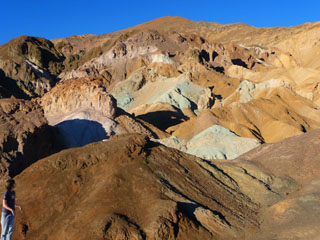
(258, 82)
(254, 83)
(172, 129)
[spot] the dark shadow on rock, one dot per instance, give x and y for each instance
(303, 129)
(239, 62)
(37, 145)
(11, 144)
(204, 55)
(218, 69)
(188, 209)
(9, 87)
(163, 119)
(218, 96)
(258, 135)
(120, 112)
(4, 93)
(193, 105)
(78, 132)
(214, 55)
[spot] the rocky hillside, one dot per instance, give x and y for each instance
(131, 188)
(25, 136)
(192, 66)
(28, 67)
(298, 159)
(258, 82)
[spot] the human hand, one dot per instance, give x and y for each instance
(21, 209)
(13, 212)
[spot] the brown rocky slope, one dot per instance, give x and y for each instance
(131, 188)
(24, 136)
(298, 158)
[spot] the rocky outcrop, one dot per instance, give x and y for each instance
(82, 111)
(215, 142)
(25, 136)
(276, 113)
(126, 123)
(179, 92)
(38, 51)
(121, 58)
(29, 66)
(248, 91)
(76, 95)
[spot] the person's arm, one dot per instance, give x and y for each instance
(18, 206)
(4, 203)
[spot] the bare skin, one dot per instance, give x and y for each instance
(4, 203)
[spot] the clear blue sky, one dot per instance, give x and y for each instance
(62, 18)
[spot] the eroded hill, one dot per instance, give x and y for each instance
(131, 188)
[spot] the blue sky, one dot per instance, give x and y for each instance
(62, 18)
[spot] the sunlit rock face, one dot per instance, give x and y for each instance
(81, 110)
(29, 67)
